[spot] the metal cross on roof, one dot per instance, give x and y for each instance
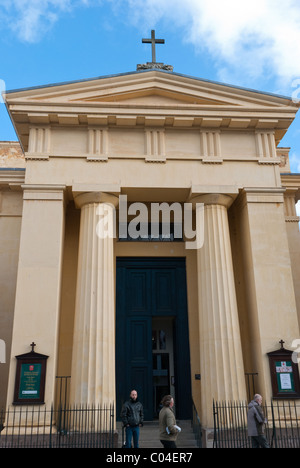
(153, 41)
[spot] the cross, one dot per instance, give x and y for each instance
(33, 345)
(153, 41)
(282, 343)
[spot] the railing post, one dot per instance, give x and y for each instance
(274, 435)
(215, 444)
(51, 424)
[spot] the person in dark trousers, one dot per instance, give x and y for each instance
(256, 423)
(168, 430)
(132, 416)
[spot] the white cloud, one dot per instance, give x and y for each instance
(255, 37)
(295, 163)
(2, 90)
(31, 19)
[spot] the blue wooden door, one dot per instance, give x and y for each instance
(133, 335)
(148, 288)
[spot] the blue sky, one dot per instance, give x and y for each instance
(255, 45)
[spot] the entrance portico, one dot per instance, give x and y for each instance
(155, 137)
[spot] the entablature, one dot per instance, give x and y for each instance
(153, 144)
(147, 99)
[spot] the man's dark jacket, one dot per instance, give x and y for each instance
(132, 413)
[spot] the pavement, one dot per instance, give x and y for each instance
(149, 435)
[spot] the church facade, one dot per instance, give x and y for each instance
(149, 239)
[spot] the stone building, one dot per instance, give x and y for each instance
(155, 312)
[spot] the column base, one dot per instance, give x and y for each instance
(208, 437)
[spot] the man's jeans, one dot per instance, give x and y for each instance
(132, 432)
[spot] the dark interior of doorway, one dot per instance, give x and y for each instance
(162, 361)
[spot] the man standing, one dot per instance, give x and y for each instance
(256, 423)
(132, 416)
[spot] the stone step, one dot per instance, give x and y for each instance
(149, 435)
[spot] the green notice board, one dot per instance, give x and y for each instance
(30, 381)
(285, 377)
(284, 374)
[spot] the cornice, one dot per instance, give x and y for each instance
(12, 179)
(292, 184)
(290, 180)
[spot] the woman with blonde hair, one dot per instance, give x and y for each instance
(168, 430)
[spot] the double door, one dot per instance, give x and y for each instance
(152, 339)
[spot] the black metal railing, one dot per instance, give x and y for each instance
(231, 424)
(66, 427)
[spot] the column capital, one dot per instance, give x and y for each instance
(213, 199)
(87, 198)
(43, 192)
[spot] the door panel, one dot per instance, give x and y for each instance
(164, 292)
(138, 338)
(139, 355)
(137, 292)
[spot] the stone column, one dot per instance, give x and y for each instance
(267, 262)
(222, 369)
(93, 358)
(37, 304)
(293, 234)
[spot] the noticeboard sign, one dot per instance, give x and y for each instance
(284, 374)
(30, 379)
(285, 377)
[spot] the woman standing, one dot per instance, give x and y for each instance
(168, 431)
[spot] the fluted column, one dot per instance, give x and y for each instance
(222, 369)
(93, 358)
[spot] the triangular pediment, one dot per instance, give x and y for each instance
(148, 88)
(153, 96)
